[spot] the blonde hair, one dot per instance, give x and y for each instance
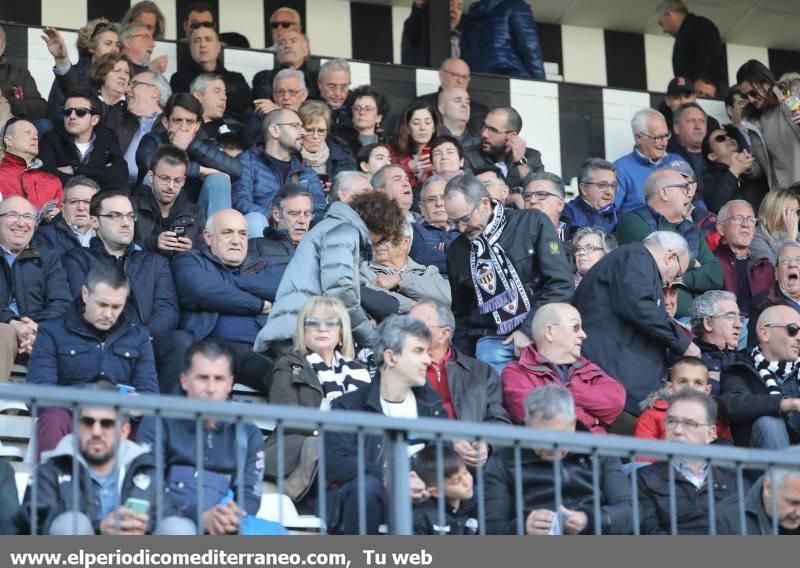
(313, 110)
(328, 306)
(770, 214)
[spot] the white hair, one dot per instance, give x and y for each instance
(667, 240)
(289, 74)
(642, 117)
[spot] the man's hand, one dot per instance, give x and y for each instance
(742, 162)
(576, 521)
(205, 172)
(159, 64)
(222, 519)
(516, 146)
(796, 116)
(521, 341)
(266, 307)
(264, 106)
(180, 138)
(416, 488)
(790, 405)
(56, 46)
(387, 281)
(692, 351)
(473, 453)
(26, 330)
(169, 241)
(130, 523)
(539, 522)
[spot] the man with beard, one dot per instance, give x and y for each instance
(669, 197)
(265, 172)
(502, 146)
(292, 213)
(105, 452)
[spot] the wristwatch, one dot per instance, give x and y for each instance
(523, 161)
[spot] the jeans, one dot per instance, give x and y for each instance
(70, 523)
(770, 433)
(490, 350)
(256, 223)
(215, 194)
(345, 499)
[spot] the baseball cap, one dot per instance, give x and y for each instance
(679, 85)
(682, 167)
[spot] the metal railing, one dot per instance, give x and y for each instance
(397, 433)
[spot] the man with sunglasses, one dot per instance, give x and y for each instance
(727, 159)
(104, 451)
(594, 206)
(761, 393)
(554, 358)
(669, 199)
(22, 172)
(199, 15)
(79, 145)
(651, 137)
(292, 52)
(283, 20)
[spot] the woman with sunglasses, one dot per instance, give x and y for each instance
(727, 158)
(777, 223)
(319, 369)
(96, 38)
(323, 152)
(772, 123)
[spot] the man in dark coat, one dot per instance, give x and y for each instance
(784, 291)
(621, 302)
(783, 487)
(292, 213)
(698, 52)
(78, 145)
(399, 391)
(761, 394)
(552, 408)
(504, 266)
(414, 45)
(101, 456)
(72, 227)
(18, 87)
(153, 302)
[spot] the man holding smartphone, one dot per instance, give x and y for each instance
(167, 221)
(105, 450)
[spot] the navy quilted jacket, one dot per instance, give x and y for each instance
(500, 37)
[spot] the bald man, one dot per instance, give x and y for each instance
(33, 287)
(554, 357)
(454, 106)
(761, 392)
(226, 293)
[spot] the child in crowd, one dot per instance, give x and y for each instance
(458, 489)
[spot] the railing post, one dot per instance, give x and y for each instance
(397, 472)
(437, 32)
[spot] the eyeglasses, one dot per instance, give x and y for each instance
(79, 111)
(198, 25)
(89, 422)
(290, 92)
(317, 131)
(75, 202)
(183, 121)
(117, 216)
(742, 220)
(315, 323)
(752, 94)
(539, 195)
(659, 138)
(793, 259)
(15, 216)
(166, 180)
(722, 138)
(588, 249)
(284, 25)
(792, 329)
(686, 187)
(576, 327)
(136, 82)
(465, 219)
(461, 76)
(493, 130)
(687, 423)
(730, 316)
(602, 185)
(295, 125)
(433, 199)
(364, 109)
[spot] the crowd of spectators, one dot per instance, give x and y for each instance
(178, 235)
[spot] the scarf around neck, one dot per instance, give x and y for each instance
(498, 287)
(771, 372)
(317, 160)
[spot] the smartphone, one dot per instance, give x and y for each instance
(179, 230)
(324, 178)
(126, 389)
(139, 506)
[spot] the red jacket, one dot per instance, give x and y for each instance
(35, 185)
(761, 274)
(599, 399)
(651, 423)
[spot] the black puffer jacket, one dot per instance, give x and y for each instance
(538, 483)
(275, 245)
(150, 224)
(38, 283)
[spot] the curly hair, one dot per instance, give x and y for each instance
(87, 35)
(380, 214)
(381, 102)
(403, 142)
(102, 66)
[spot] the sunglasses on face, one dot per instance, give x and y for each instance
(721, 138)
(284, 25)
(79, 111)
(198, 25)
(316, 323)
(101, 26)
(89, 422)
(792, 329)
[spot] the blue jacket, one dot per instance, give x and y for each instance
(56, 237)
(429, 245)
(500, 37)
(632, 172)
(208, 288)
(578, 214)
(152, 302)
(69, 352)
(260, 181)
(37, 282)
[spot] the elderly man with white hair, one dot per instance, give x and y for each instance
(621, 302)
(650, 136)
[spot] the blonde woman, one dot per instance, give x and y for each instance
(325, 154)
(777, 223)
(319, 369)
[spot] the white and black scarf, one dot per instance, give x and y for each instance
(498, 287)
(343, 376)
(774, 372)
